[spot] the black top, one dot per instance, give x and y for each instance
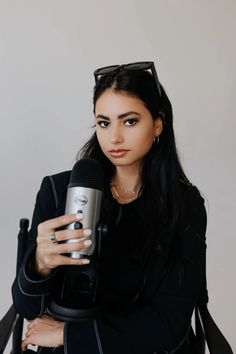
(146, 309)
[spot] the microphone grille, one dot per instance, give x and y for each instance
(87, 173)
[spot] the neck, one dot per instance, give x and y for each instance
(127, 177)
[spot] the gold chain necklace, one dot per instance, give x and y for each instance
(115, 189)
(126, 191)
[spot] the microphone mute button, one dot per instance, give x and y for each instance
(78, 225)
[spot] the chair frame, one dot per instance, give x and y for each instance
(206, 330)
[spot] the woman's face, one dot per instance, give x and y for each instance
(125, 128)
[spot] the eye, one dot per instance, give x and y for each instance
(103, 123)
(130, 122)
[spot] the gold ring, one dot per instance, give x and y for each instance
(53, 238)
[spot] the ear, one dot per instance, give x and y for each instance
(158, 126)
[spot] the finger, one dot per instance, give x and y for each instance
(24, 345)
(47, 319)
(30, 325)
(37, 321)
(55, 257)
(52, 224)
(68, 247)
(64, 260)
(27, 334)
(27, 341)
(64, 235)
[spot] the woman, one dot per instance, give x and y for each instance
(152, 260)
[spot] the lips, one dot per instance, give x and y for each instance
(118, 152)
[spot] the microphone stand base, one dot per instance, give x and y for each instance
(63, 313)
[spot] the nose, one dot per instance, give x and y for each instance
(116, 136)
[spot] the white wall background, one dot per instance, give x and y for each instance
(48, 51)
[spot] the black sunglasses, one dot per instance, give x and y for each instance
(142, 65)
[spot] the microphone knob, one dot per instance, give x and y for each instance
(78, 225)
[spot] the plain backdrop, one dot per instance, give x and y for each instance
(48, 52)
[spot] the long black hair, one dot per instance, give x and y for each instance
(163, 179)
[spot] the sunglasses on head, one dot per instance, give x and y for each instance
(142, 65)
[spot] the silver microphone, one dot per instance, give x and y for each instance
(84, 195)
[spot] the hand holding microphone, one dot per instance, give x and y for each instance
(82, 212)
(50, 255)
(77, 234)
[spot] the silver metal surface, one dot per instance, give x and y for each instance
(87, 201)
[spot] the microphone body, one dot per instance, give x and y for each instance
(87, 201)
(76, 295)
(84, 195)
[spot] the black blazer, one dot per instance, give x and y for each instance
(158, 320)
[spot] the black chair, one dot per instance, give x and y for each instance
(206, 329)
(12, 322)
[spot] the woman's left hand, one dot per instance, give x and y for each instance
(44, 331)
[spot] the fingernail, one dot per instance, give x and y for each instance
(87, 243)
(85, 261)
(87, 232)
(79, 216)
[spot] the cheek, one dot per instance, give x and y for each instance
(144, 139)
(101, 140)
(144, 142)
(146, 146)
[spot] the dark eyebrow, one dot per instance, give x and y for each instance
(120, 116)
